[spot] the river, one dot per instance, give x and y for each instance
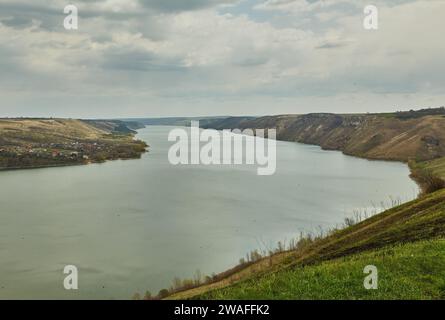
(131, 226)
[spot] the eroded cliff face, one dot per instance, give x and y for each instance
(385, 137)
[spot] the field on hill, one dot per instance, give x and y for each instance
(34, 143)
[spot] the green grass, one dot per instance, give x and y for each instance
(437, 166)
(408, 271)
(401, 242)
(420, 219)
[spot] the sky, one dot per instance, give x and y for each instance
(160, 58)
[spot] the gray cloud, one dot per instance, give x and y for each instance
(182, 5)
(172, 57)
(138, 60)
(332, 45)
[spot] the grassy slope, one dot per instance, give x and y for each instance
(371, 136)
(418, 220)
(60, 129)
(410, 271)
(437, 166)
(40, 130)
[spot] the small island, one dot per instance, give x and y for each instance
(27, 143)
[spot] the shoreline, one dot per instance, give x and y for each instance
(406, 162)
(65, 165)
(82, 163)
(5, 169)
(411, 168)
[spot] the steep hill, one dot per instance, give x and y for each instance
(399, 137)
(174, 121)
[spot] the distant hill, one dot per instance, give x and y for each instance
(400, 136)
(116, 126)
(174, 121)
(36, 143)
(406, 135)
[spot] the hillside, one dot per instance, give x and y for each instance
(32, 143)
(401, 136)
(436, 166)
(410, 271)
(410, 135)
(391, 231)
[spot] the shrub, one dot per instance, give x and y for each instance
(163, 293)
(147, 295)
(428, 181)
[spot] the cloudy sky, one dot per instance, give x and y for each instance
(219, 57)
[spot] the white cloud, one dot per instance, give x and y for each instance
(173, 55)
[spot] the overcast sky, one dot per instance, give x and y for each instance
(151, 58)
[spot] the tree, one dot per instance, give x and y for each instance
(163, 293)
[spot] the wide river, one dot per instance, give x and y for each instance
(131, 226)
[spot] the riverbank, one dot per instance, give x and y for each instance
(400, 136)
(395, 233)
(411, 271)
(45, 143)
(413, 137)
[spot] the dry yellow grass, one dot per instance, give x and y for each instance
(384, 137)
(59, 127)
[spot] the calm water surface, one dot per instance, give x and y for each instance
(131, 226)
